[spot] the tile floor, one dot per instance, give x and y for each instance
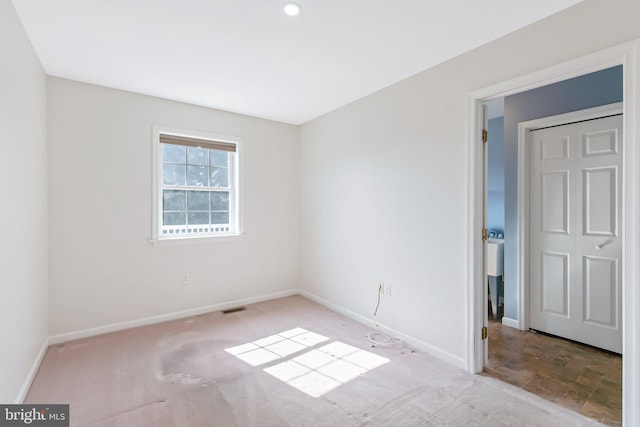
(569, 374)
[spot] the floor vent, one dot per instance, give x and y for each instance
(233, 310)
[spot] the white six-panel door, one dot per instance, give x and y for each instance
(574, 231)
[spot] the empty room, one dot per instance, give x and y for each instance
(270, 213)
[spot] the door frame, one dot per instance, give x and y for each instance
(524, 179)
(627, 55)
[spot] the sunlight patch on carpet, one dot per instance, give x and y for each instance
(311, 371)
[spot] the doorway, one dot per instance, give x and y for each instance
(577, 149)
(621, 55)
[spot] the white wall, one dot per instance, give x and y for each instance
(103, 269)
(23, 215)
(383, 180)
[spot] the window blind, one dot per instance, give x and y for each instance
(196, 142)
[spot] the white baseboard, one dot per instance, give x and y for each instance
(512, 323)
(414, 342)
(85, 333)
(22, 394)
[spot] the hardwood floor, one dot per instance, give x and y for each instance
(575, 376)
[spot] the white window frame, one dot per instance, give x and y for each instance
(157, 181)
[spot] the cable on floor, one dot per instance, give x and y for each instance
(377, 338)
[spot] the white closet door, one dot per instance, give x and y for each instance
(575, 219)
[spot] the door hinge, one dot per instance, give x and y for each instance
(485, 332)
(485, 234)
(485, 135)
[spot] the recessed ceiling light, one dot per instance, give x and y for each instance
(292, 9)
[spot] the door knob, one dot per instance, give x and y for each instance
(603, 244)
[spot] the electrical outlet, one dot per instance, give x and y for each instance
(388, 290)
(185, 279)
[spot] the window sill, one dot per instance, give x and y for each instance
(194, 240)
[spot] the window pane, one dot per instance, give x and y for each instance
(219, 217)
(198, 217)
(197, 194)
(198, 156)
(219, 200)
(174, 175)
(173, 153)
(198, 176)
(219, 158)
(173, 200)
(219, 177)
(174, 218)
(198, 201)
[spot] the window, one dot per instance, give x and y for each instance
(196, 191)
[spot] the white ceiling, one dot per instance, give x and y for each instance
(247, 56)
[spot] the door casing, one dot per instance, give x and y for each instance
(627, 55)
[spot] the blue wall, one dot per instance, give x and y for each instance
(495, 212)
(591, 90)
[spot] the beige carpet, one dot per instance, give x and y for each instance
(287, 362)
